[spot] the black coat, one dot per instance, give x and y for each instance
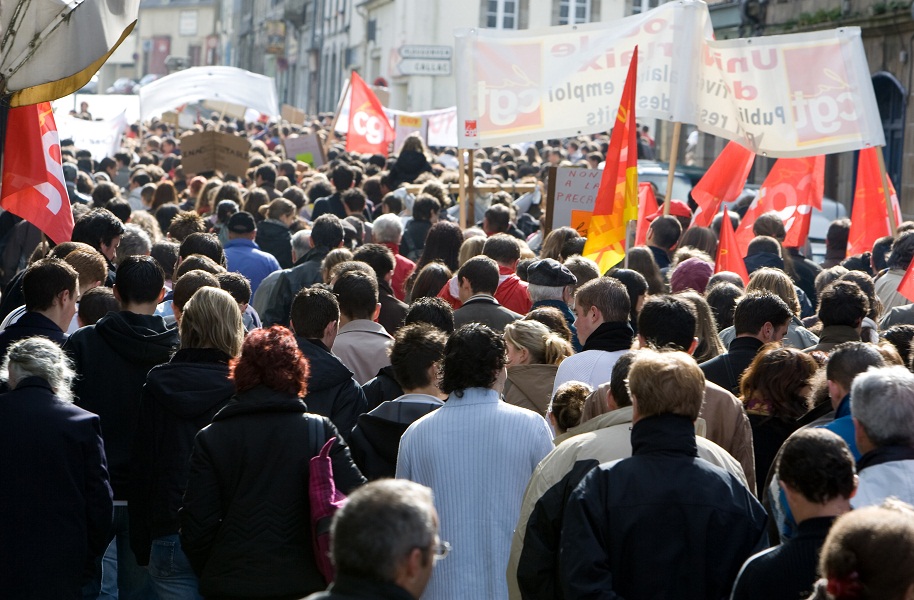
(274, 237)
(30, 324)
(383, 388)
(408, 166)
(112, 359)
(332, 390)
(179, 399)
(353, 588)
(661, 524)
(393, 310)
(726, 369)
(305, 273)
(413, 241)
(244, 524)
(55, 501)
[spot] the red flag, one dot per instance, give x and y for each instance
(792, 189)
(723, 182)
(647, 205)
(728, 255)
(906, 285)
(369, 130)
(617, 199)
(869, 217)
(33, 183)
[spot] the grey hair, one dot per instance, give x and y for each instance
(387, 228)
(39, 357)
(539, 293)
(882, 400)
(381, 523)
(134, 242)
(301, 242)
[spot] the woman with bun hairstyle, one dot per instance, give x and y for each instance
(273, 232)
(534, 355)
(567, 406)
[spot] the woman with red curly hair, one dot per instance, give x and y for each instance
(244, 524)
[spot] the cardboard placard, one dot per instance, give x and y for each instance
(306, 148)
(406, 125)
(170, 117)
(215, 151)
(227, 109)
(293, 115)
(571, 196)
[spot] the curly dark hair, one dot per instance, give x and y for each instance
(473, 357)
(270, 357)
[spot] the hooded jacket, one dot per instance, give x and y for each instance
(244, 522)
(530, 386)
(179, 398)
(332, 390)
(112, 359)
(383, 388)
(274, 237)
(305, 273)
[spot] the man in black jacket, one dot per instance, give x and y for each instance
(332, 390)
(326, 234)
(343, 179)
(112, 359)
(382, 262)
(663, 523)
(759, 318)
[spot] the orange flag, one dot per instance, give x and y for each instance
(617, 199)
(792, 189)
(728, 255)
(33, 183)
(906, 286)
(647, 205)
(723, 182)
(869, 217)
(369, 129)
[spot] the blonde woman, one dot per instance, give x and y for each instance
(534, 355)
(180, 398)
(777, 282)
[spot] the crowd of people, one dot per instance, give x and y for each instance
(211, 353)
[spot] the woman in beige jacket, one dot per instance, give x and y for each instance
(534, 354)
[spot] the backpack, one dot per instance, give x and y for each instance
(324, 498)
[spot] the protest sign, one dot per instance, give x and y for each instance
(407, 124)
(293, 115)
(101, 138)
(306, 148)
(215, 151)
(570, 197)
(783, 96)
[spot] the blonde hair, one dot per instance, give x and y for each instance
(778, 283)
(666, 383)
(212, 319)
(544, 346)
(567, 404)
(469, 248)
(334, 257)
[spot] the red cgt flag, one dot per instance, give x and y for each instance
(33, 183)
(369, 130)
(647, 205)
(723, 182)
(869, 217)
(728, 254)
(792, 189)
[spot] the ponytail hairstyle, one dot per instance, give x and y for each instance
(544, 346)
(567, 404)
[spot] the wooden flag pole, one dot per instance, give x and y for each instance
(471, 191)
(884, 179)
(461, 178)
(336, 116)
(674, 156)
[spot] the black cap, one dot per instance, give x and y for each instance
(241, 222)
(551, 273)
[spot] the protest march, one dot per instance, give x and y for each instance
(495, 350)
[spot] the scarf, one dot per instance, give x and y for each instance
(610, 337)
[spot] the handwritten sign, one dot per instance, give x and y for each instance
(571, 196)
(214, 151)
(306, 148)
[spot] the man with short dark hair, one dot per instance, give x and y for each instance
(342, 178)
(326, 234)
(759, 318)
(816, 472)
(425, 214)
(842, 308)
(51, 293)
(662, 237)
(265, 179)
(361, 343)
(687, 524)
(415, 357)
(332, 390)
(384, 543)
(382, 262)
(112, 359)
(601, 308)
(478, 280)
(102, 230)
(242, 253)
(836, 242)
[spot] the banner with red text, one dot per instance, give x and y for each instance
(785, 96)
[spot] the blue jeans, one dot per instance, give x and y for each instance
(133, 581)
(172, 576)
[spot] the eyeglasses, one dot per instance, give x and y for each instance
(441, 549)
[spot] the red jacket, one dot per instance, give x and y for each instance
(403, 269)
(511, 293)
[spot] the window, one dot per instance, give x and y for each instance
(640, 6)
(187, 22)
(572, 12)
(890, 98)
(502, 14)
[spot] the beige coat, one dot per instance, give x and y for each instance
(530, 386)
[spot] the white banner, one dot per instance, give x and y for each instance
(784, 96)
(101, 138)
